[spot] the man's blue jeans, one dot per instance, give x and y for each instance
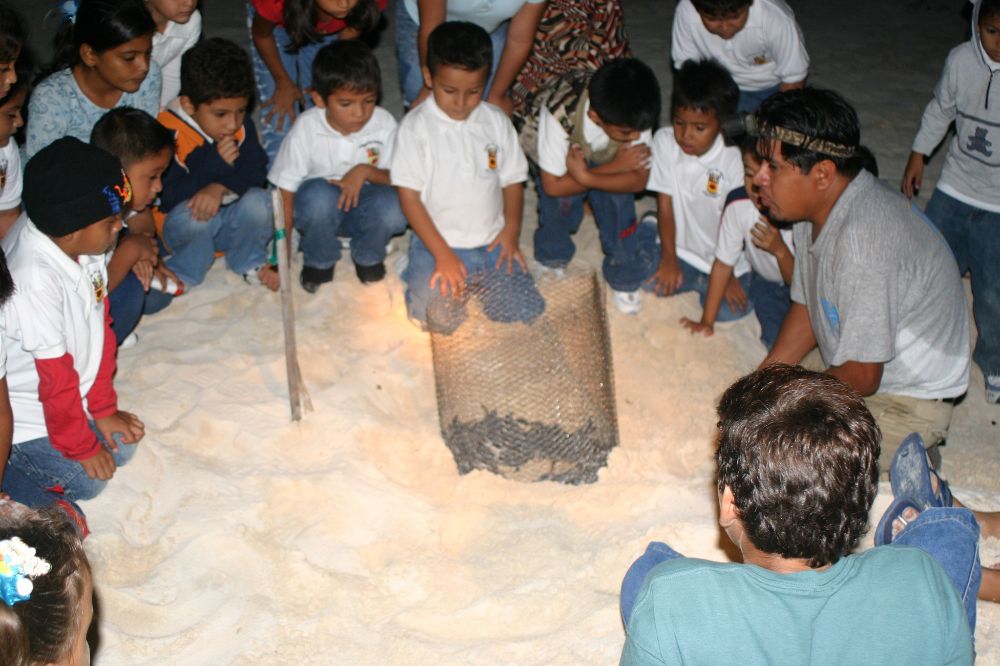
(751, 99)
(771, 301)
(950, 536)
(369, 225)
(974, 236)
(629, 248)
(299, 68)
(695, 280)
(241, 230)
(411, 79)
(505, 297)
(38, 475)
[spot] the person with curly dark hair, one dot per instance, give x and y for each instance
(797, 474)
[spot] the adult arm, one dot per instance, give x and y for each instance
(862, 377)
(517, 48)
(795, 340)
(286, 92)
(430, 14)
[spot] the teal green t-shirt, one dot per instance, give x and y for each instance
(889, 605)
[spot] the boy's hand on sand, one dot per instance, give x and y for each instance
(697, 327)
(510, 251)
(229, 149)
(350, 188)
(667, 279)
(161, 271)
(449, 275)
(632, 157)
(913, 175)
(767, 237)
(100, 465)
(735, 296)
(282, 104)
(124, 423)
(206, 203)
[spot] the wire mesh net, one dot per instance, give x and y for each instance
(525, 384)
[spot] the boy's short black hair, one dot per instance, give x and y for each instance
(348, 64)
(216, 68)
(719, 8)
(625, 92)
(12, 33)
(823, 118)
(988, 8)
(799, 450)
(459, 44)
(868, 160)
(130, 135)
(705, 85)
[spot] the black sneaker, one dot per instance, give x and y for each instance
(311, 278)
(369, 274)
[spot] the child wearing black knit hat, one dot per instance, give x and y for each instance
(69, 435)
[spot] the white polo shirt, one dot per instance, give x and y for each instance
(553, 142)
(736, 246)
(460, 168)
(10, 176)
(313, 149)
(768, 51)
(58, 307)
(698, 187)
(168, 47)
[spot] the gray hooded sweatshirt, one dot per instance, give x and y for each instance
(968, 94)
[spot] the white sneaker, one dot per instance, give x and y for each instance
(345, 244)
(649, 217)
(993, 389)
(557, 272)
(627, 302)
(400, 263)
(131, 340)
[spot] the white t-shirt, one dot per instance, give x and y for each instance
(10, 176)
(768, 51)
(460, 168)
(313, 149)
(168, 47)
(58, 307)
(698, 187)
(736, 246)
(553, 142)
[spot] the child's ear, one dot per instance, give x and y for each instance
(428, 81)
(87, 55)
(186, 104)
(317, 99)
(596, 119)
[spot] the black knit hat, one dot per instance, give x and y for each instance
(69, 185)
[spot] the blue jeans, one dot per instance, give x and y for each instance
(950, 536)
(771, 301)
(411, 79)
(974, 236)
(370, 225)
(506, 297)
(751, 99)
(129, 301)
(298, 65)
(695, 280)
(38, 475)
(241, 230)
(629, 248)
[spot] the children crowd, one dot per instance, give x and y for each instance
(148, 128)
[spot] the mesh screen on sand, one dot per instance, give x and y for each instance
(529, 400)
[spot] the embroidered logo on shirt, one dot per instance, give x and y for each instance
(100, 289)
(712, 186)
(760, 59)
(491, 156)
(373, 153)
(832, 316)
(979, 143)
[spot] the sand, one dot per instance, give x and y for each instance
(235, 536)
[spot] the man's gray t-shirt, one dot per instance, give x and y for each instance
(882, 286)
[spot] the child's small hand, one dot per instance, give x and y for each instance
(126, 424)
(206, 203)
(282, 103)
(633, 157)
(350, 187)
(767, 237)
(697, 327)
(229, 149)
(143, 270)
(667, 279)
(913, 175)
(735, 296)
(100, 465)
(510, 251)
(576, 163)
(449, 275)
(165, 274)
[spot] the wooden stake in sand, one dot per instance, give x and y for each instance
(297, 393)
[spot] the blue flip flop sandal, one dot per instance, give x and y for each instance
(883, 533)
(910, 475)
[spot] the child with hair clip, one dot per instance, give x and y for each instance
(285, 36)
(178, 28)
(46, 589)
(12, 37)
(103, 61)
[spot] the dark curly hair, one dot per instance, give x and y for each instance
(705, 85)
(130, 135)
(799, 450)
(625, 92)
(216, 68)
(720, 8)
(459, 44)
(12, 33)
(300, 18)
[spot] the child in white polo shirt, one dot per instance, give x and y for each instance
(460, 174)
(693, 173)
(69, 435)
(758, 41)
(746, 232)
(333, 168)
